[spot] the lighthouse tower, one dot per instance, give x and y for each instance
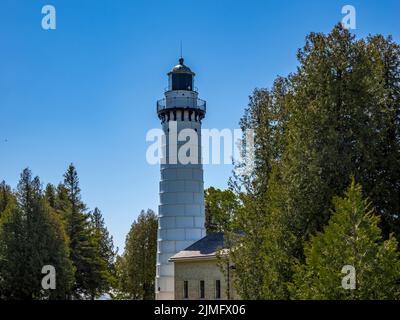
(181, 210)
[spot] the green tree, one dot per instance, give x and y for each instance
(58, 199)
(336, 116)
(337, 129)
(220, 206)
(267, 116)
(5, 196)
(137, 266)
(105, 252)
(353, 238)
(51, 195)
(120, 291)
(83, 247)
(32, 236)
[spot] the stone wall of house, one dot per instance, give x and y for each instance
(195, 271)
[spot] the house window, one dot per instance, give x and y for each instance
(202, 291)
(217, 289)
(185, 290)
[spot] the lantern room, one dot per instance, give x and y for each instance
(181, 77)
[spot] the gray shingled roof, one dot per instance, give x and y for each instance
(206, 247)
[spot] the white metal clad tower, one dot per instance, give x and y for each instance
(181, 210)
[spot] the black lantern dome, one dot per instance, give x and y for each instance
(181, 77)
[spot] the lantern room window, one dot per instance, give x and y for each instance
(182, 81)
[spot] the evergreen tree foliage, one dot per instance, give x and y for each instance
(105, 252)
(352, 238)
(32, 236)
(5, 196)
(337, 116)
(51, 227)
(83, 247)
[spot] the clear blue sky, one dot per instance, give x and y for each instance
(86, 92)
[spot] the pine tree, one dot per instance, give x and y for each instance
(5, 196)
(52, 228)
(105, 252)
(352, 238)
(51, 195)
(12, 252)
(32, 236)
(83, 248)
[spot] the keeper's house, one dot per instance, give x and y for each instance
(198, 274)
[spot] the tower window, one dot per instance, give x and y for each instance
(202, 291)
(185, 290)
(217, 289)
(182, 81)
